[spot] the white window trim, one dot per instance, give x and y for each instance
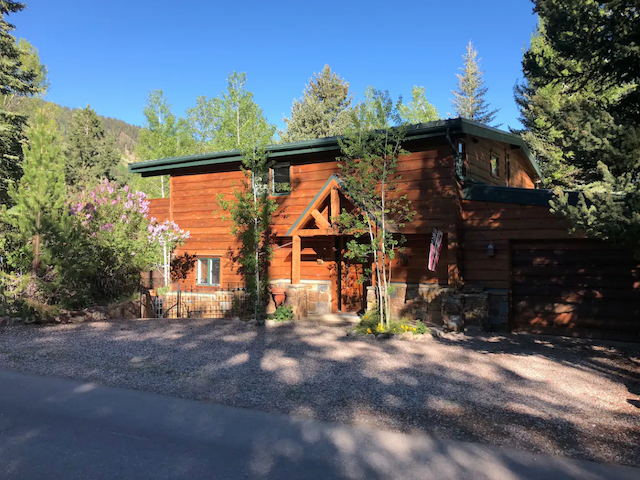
(209, 266)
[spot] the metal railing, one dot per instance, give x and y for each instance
(226, 301)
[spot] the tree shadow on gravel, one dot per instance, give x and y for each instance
(517, 391)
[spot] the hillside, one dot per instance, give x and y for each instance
(124, 134)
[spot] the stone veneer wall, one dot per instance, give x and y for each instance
(434, 304)
(308, 298)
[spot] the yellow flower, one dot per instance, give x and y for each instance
(368, 330)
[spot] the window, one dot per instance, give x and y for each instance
(281, 180)
(495, 165)
(209, 271)
(462, 158)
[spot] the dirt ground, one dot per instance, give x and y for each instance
(567, 397)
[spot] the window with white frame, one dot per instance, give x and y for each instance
(209, 271)
(281, 179)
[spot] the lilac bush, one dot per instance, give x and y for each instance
(109, 241)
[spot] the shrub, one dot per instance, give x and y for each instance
(284, 313)
(370, 324)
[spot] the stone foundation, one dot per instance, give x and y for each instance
(437, 305)
(308, 298)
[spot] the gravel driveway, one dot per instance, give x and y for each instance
(551, 395)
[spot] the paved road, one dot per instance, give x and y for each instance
(52, 428)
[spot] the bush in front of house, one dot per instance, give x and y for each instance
(370, 325)
(284, 313)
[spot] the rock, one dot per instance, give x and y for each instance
(384, 336)
(355, 333)
(98, 316)
(407, 336)
(473, 330)
(253, 321)
(77, 319)
(30, 319)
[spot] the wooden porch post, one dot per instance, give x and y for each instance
(455, 277)
(335, 202)
(295, 260)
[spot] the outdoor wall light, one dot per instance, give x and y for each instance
(491, 251)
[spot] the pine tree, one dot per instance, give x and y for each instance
(469, 101)
(39, 197)
(568, 123)
(15, 80)
(323, 110)
(419, 110)
(595, 58)
(90, 153)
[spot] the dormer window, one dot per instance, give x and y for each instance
(495, 165)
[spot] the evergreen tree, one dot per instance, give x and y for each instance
(15, 80)
(90, 153)
(568, 122)
(469, 101)
(602, 35)
(323, 110)
(419, 110)
(39, 197)
(595, 58)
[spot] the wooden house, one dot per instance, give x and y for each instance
(474, 183)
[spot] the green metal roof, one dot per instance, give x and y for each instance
(414, 132)
(521, 196)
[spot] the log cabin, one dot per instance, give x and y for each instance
(504, 256)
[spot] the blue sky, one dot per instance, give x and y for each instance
(109, 54)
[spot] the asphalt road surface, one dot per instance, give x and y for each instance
(53, 428)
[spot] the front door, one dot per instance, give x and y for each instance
(352, 281)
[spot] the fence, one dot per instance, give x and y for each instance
(202, 302)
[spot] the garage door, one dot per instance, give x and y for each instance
(577, 288)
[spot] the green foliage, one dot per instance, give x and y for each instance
(204, 122)
(90, 154)
(368, 322)
(581, 104)
(371, 324)
(419, 110)
(602, 37)
(242, 123)
(16, 80)
(469, 101)
(369, 177)
(39, 197)
(251, 209)
(608, 209)
(99, 257)
(284, 313)
(569, 122)
(163, 136)
(323, 111)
